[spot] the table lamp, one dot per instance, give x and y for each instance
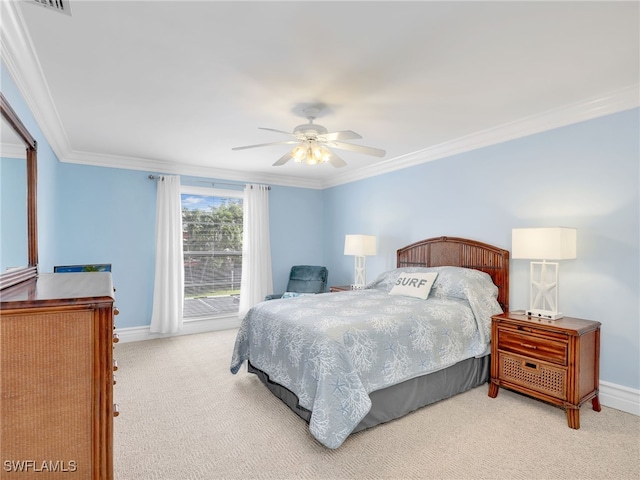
(546, 243)
(360, 246)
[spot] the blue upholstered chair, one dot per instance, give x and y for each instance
(305, 279)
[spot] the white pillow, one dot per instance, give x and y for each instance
(416, 285)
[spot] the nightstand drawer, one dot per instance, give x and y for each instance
(532, 347)
(532, 374)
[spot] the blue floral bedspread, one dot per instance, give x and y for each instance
(333, 349)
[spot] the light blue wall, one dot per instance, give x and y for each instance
(107, 215)
(585, 176)
(296, 226)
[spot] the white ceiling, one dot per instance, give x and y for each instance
(172, 86)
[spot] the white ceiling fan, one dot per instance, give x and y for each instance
(313, 143)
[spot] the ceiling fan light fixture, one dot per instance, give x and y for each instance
(325, 154)
(316, 151)
(312, 156)
(299, 154)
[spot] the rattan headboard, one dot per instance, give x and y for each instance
(460, 252)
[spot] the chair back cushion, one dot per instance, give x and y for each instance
(307, 279)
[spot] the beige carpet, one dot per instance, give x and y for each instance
(185, 416)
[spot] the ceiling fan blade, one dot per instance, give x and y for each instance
(342, 135)
(274, 130)
(336, 161)
(358, 148)
(284, 159)
(284, 142)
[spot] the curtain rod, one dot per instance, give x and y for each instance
(158, 177)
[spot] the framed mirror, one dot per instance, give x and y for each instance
(16, 267)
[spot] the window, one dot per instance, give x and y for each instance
(212, 246)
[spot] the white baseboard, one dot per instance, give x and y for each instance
(621, 398)
(611, 395)
(136, 334)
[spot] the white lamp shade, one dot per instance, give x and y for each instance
(547, 243)
(360, 245)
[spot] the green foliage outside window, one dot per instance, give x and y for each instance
(212, 245)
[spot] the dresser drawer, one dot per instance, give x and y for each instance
(532, 346)
(539, 376)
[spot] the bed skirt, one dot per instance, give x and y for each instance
(398, 400)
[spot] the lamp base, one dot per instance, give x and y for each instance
(357, 286)
(546, 314)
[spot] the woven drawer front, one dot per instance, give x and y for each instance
(46, 393)
(534, 375)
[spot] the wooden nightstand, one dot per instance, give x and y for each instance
(556, 361)
(339, 288)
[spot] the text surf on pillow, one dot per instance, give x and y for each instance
(417, 285)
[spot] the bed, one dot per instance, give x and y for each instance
(351, 360)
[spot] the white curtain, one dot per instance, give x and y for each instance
(257, 281)
(168, 290)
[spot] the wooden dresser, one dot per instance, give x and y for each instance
(56, 377)
(556, 361)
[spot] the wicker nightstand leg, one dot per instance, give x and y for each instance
(595, 401)
(493, 390)
(573, 417)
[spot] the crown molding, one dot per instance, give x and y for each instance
(612, 102)
(19, 57)
(165, 167)
(12, 150)
(18, 54)
(617, 101)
